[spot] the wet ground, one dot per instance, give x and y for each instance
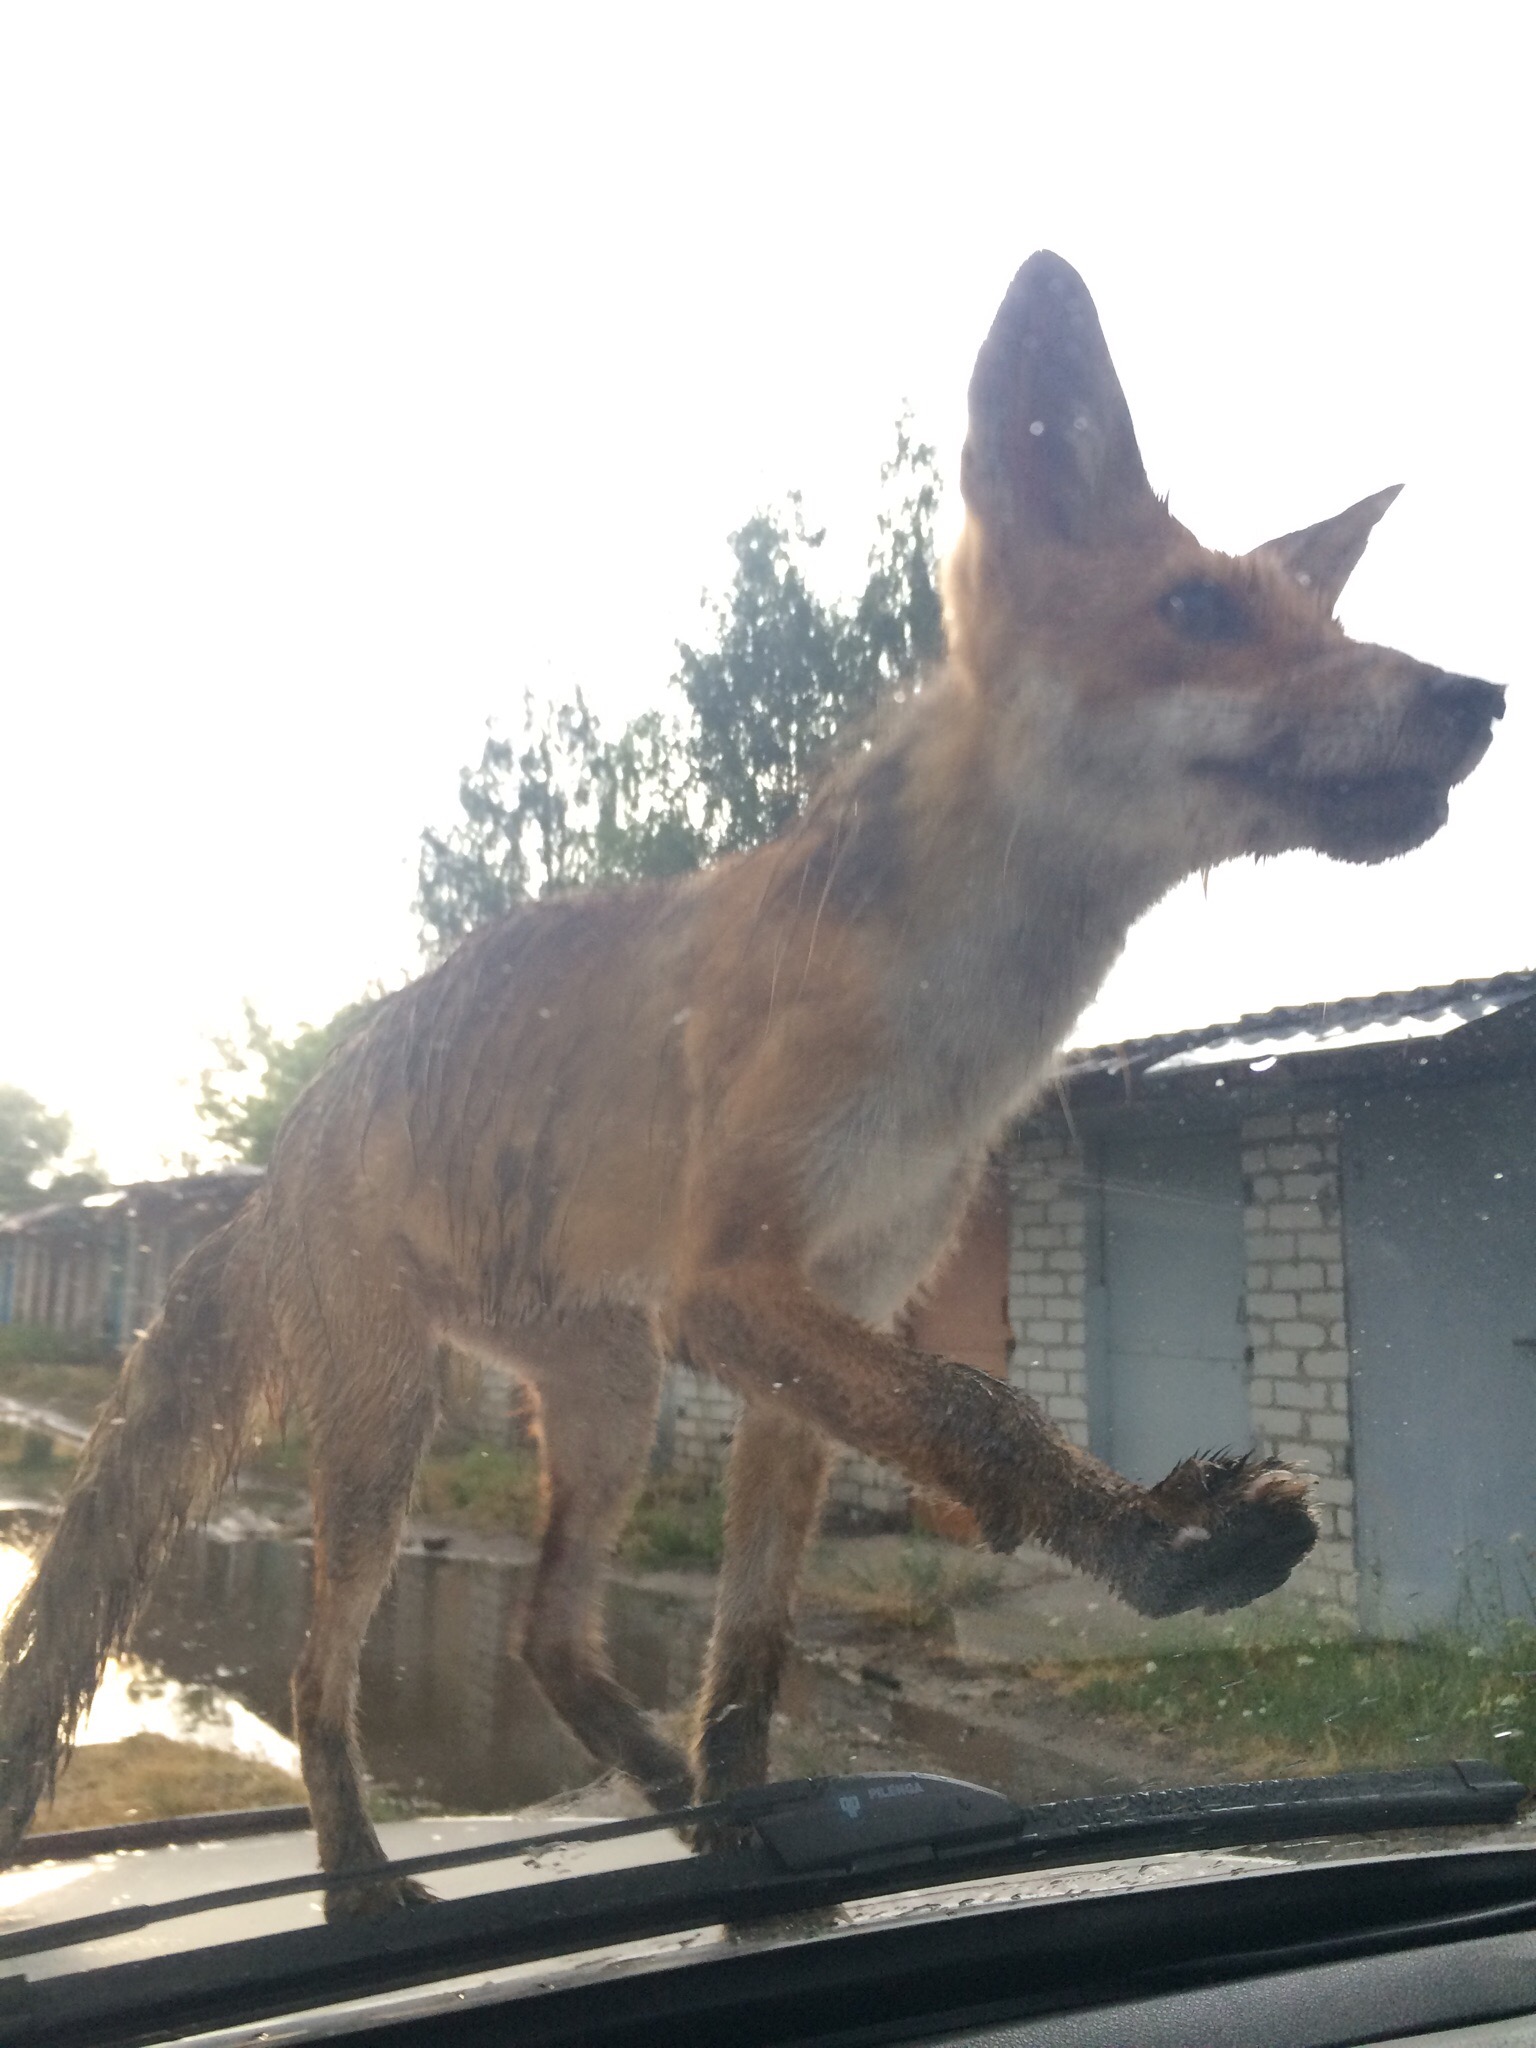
(452, 1720)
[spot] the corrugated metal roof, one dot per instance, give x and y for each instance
(1258, 1040)
(184, 1188)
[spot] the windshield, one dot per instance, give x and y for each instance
(924, 1164)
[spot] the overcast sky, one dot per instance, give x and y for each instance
(363, 365)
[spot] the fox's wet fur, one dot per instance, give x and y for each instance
(735, 1118)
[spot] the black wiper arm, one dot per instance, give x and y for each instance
(820, 1841)
(883, 1819)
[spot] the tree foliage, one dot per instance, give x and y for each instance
(789, 676)
(559, 810)
(33, 1141)
(770, 696)
(245, 1098)
(781, 681)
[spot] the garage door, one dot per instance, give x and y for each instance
(1173, 1378)
(1440, 1242)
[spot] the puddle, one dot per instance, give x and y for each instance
(137, 1697)
(449, 1716)
(985, 1756)
(49, 1421)
(452, 1719)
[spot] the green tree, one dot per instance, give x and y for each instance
(261, 1076)
(559, 808)
(788, 677)
(781, 682)
(897, 629)
(33, 1140)
(30, 1141)
(644, 824)
(772, 692)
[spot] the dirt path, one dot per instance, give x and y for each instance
(859, 1702)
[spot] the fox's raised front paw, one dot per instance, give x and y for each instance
(1227, 1529)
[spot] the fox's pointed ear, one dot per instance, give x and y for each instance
(1324, 556)
(1051, 452)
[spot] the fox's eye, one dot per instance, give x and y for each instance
(1203, 610)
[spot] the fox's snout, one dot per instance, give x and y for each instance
(1459, 712)
(1368, 812)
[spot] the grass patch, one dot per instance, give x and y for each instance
(76, 1390)
(30, 1344)
(1328, 1704)
(150, 1777)
(676, 1522)
(483, 1487)
(917, 1589)
(33, 1451)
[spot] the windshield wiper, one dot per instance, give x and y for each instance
(818, 1842)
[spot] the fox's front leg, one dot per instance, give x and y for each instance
(774, 1493)
(1216, 1533)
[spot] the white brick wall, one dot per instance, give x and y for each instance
(1046, 1277)
(1294, 1304)
(1298, 1333)
(704, 1420)
(869, 1489)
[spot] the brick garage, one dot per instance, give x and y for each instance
(1298, 1332)
(1047, 1271)
(1308, 1234)
(98, 1268)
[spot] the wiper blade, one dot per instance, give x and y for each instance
(819, 1842)
(940, 1815)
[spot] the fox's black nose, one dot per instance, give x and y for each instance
(1464, 705)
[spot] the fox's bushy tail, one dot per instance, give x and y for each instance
(155, 1461)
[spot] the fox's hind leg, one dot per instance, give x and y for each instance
(368, 1428)
(598, 1378)
(777, 1477)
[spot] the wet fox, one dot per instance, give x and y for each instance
(734, 1119)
